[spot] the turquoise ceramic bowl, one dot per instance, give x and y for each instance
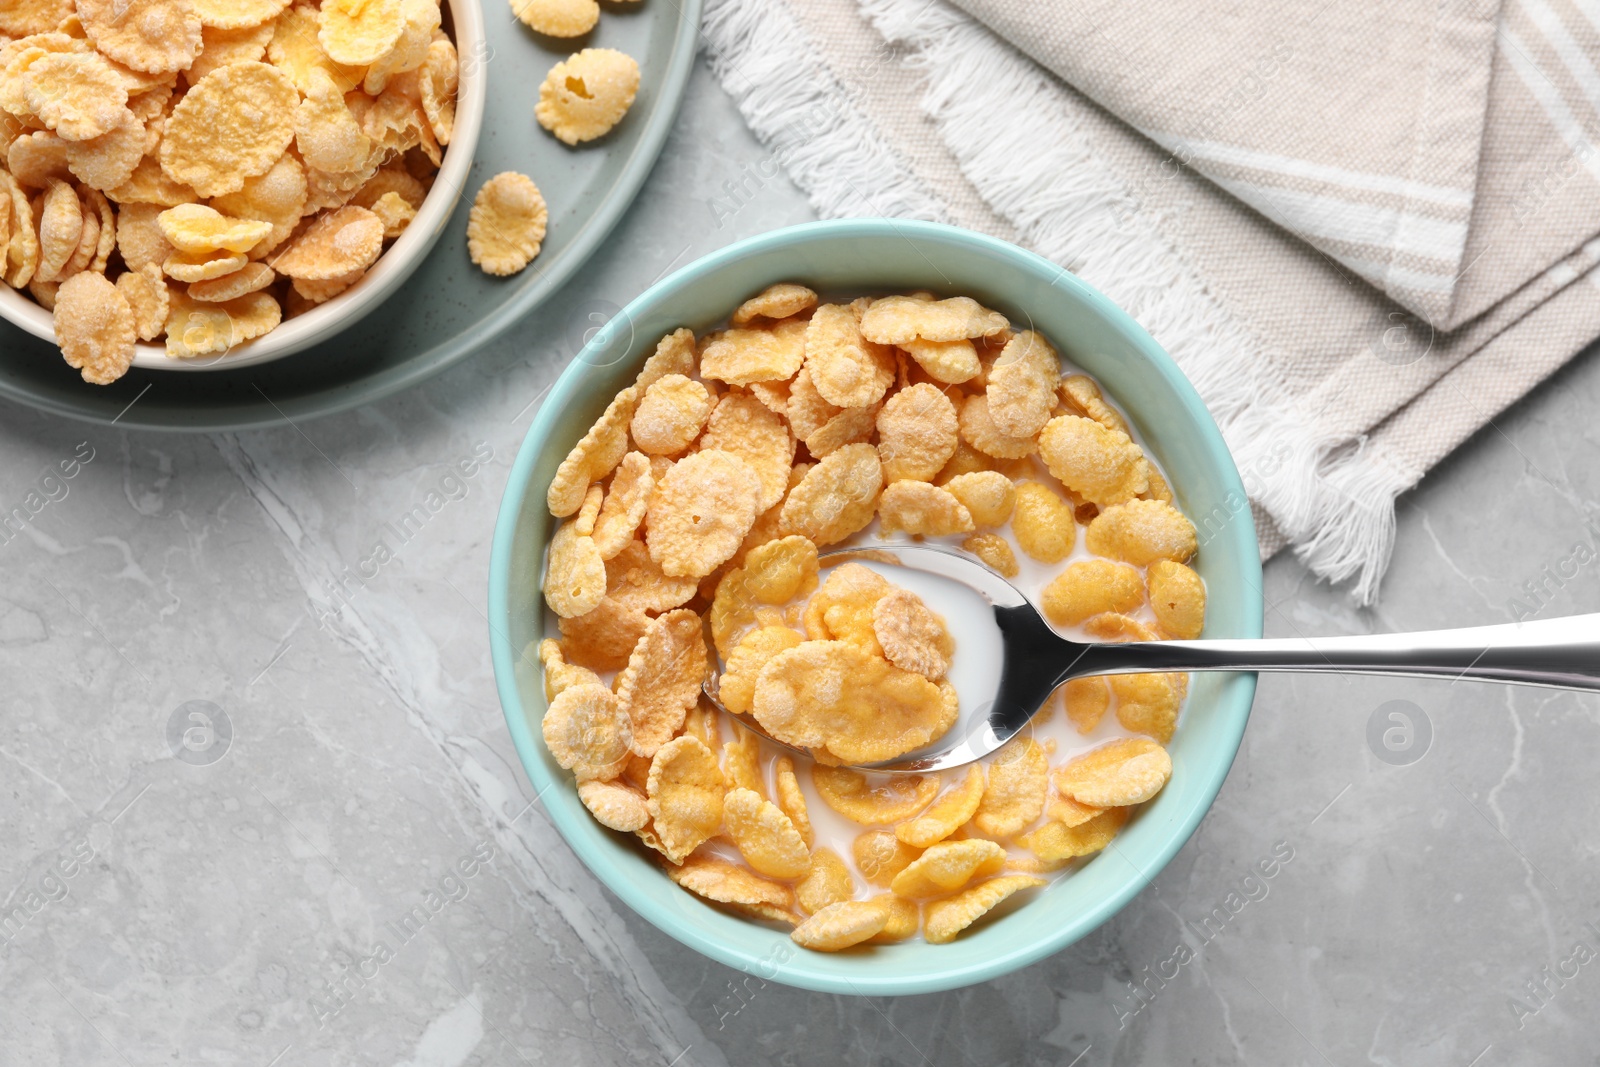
(879, 256)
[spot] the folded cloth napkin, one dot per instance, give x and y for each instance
(1362, 229)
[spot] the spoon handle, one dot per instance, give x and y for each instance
(1563, 653)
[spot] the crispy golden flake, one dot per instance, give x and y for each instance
(662, 680)
(684, 794)
(1043, 523)
(744, 427)
(594, 457)
(880, 856)
(840, 701)
(922, 509)
(839, 926)
(995, 551)
(847, 370)
(747, 356)
(1022, 385)
(1142, 531)
(948, 866)
(979, 430)
(947, 814)
(614, 805)
(828, 883)
(896, 320)
(1018, 782)
(764, 835)
(1118, 773)
(1091, 587)
(944, 919)
(1178, 597)
(779, 301)
(1086, 700)
(883, 802)
(587, 732)
(917, 433)
(912, 637)
(701, 510)
(95, 328)
(587, 94)
(506, 226)
(728, 883)
(671, 415)
(837, 497)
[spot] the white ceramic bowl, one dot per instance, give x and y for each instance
(385, 276)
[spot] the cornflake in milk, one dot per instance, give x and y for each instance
(704, 493)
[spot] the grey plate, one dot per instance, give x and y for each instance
(449, 307)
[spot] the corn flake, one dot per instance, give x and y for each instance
(587, 94)
(791, 799)
(947, 866)
(671, 415)
(747, 356)
(1092, 587)
(950, 362)
(737, 686)
(633, 579)
(1055, 843)
(663, 677)
(880, 856)
(233, 125)
(847, 370)
(839, 926)
(778, 301)
(701, 511)
(1142, 531)
(1022, 385)
(506, 226)
(896, 320)
(1148, 703)
(76, 94)
(728, 883)
(604, 638)
(614, 805)
(145, 35)
(560, 675)
(946, 815)
(922, 509)
(846, 703)
(892, 800)
(557, 18)
(995, 552)
(1104, 466)
(988, 496)
(145, 290)
(741, 762)
(944, 919)
(587, 732)
(829, 882)
(594, 457)
(1178, 597)
(742, 426)
(1015, 794)
(357, 33)
(837, 497)
(979, 430)
(94, 327)
(1043, 523)
(625, 504)
(1121, 772)
(912, 637)
(842, 610)
(1082, 396)
(764, 835)
(904, 918)
(251, 278)
(917, 433)
(684, 796)
(1086, 700)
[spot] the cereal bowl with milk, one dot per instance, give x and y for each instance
(671, 511)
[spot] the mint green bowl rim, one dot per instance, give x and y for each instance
(1225, 732)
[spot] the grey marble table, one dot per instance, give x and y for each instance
(1434, 902)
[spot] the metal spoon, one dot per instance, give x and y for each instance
(1561, 653)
